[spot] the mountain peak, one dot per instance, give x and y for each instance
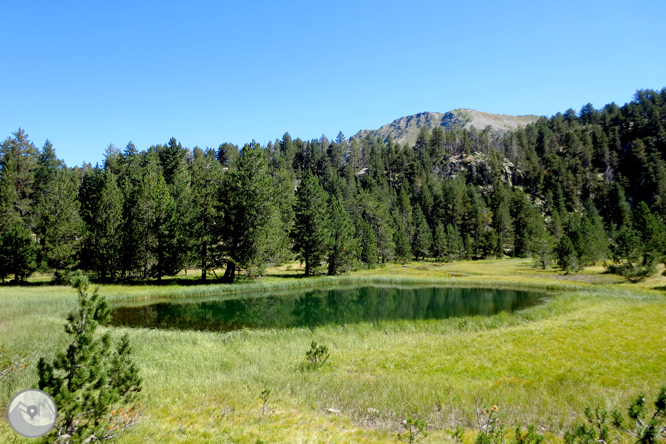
(405, 129)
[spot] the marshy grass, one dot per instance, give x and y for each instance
(588, 344)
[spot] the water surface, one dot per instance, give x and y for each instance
(324, 306)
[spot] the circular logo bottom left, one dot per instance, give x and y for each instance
(32, 413)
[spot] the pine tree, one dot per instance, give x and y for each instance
(521, 212)
(18, 162)
(343, 244)
(163, 255)
(172, 159)
(475, 220)
(311, 231)
(251, 228)
(592, 241)
(227, 154)
(439, 242)
(539, 241)
(369, 254)
(567, 257)
(91, 381)
(58, 223)
(102, 213)
(374, 203)
(652, 233)
(454, 243)
(133, 229)
(18, 251)
(422, 235)
(206, 173)
(501, 220)
(405, 212)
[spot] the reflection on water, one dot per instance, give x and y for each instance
(320, 307)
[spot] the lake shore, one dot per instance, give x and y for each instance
(599, 341)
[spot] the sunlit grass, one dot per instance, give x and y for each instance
(594, 343)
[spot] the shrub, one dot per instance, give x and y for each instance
(642, 427)
(315, 357)
(414, 430)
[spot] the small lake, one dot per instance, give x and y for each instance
(313, 308)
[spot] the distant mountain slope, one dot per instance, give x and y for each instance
(406, 129)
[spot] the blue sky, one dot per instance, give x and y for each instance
(91, 73)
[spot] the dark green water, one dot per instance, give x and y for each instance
(320, 307)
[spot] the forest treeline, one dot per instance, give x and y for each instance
(576, 188)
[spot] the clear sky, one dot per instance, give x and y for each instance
(90, 73)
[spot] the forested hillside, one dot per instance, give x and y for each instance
(578, 187)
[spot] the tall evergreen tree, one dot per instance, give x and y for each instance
(369, 253)
(592, 240)
(501, 220)
(651, 232)
(311, 231)
(58, 223)
(403, 250)
(422, 235)
(439, 243)
(343, 243)
(133, 229)
(375, 209)
(206, 173)
(18, 162)
(163, 255)
(540, 242)
(454, 243)
(567, 258)
(18, 251)
(250, 228)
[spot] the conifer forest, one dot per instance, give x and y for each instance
(572, 190)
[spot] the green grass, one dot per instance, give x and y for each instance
(597, 341)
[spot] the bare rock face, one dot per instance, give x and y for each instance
(406, 129)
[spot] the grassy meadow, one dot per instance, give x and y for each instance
(597, 340)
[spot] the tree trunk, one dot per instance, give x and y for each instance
(204, 256)
(332, 271)
(230, 272)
